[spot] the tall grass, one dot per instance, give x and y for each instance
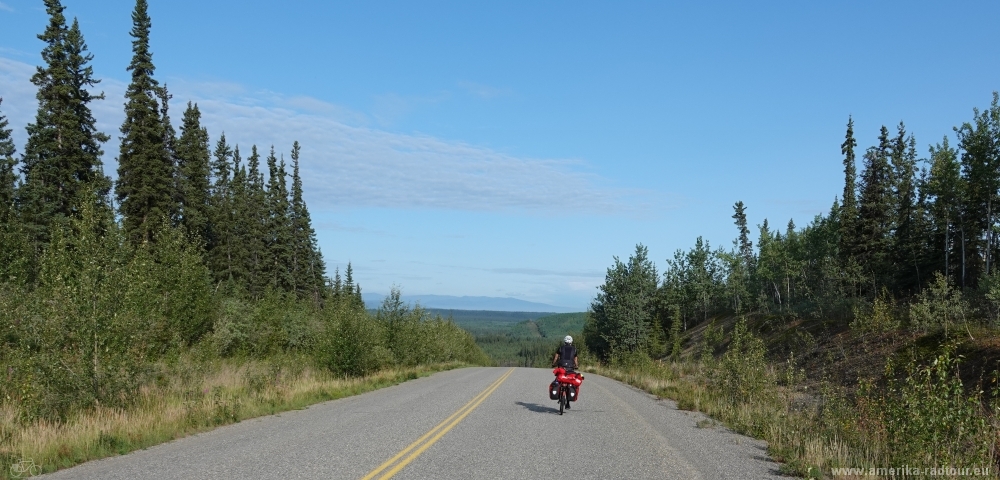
(190, 395)
(922, 416)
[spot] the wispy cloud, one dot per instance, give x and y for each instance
(390, 107)
(541, 272)
(484, 91)
(5, 7)
(346, 164)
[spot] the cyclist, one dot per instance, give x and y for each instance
(565, 357)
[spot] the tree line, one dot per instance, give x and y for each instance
(193, 250)
(255, 234)
(920, 234)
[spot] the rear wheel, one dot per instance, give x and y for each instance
(562, 399)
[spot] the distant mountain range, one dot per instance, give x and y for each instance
(500, 304)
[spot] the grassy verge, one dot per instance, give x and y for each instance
(785, 424)
(813, 431)
(188, 396)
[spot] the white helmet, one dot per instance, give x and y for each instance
(568, 339)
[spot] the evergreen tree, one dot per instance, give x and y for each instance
(193, 175)
(905, 241)
(849, 206)
(221, 239)
(746, 246)
(255, 234)
(620, 321)
(741, 268)
(170, 145)
(279, 226)
(14, 253)
(145, 170)
(238, 222)
(62, 156)
(8, 178)
(875, 213)
(308, 266)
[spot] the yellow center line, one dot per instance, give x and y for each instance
(440, 429)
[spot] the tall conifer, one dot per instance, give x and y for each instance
(8, 178)
(905, 242)
(849, 202)
(62, 156)
(279, 227)
(255, 212)
(14, 253)
(309, 268)
(170, 145)
(220, 253)
(145, 170)
(193, 174)
(875, 213)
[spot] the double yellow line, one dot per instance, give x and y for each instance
(428, 439)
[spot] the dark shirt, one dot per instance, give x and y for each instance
(566, 353)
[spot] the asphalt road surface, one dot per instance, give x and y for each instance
(460, 424)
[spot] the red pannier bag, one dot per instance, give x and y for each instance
(574, 379)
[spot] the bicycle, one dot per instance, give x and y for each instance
(568, 385)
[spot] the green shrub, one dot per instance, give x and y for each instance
(930, 420)
(938, 306)
(879, 317)
(742, 373)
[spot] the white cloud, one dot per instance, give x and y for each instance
(4, 6)
(485, 91)
(390, 107)
(346, 164)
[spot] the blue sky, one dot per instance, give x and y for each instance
(512, 148)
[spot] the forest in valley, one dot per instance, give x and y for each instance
(198, 251)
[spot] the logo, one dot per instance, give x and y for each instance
(25, 468)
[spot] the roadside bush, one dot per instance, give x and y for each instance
(938, 306)
(742, 373)
(350, 343)
(879, 317)
(926, 418)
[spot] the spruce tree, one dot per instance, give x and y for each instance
(238, 222)
(279, 227)
(8, 178)
(14, 253)
(193, 174)
(745, 244)
(308, 266)
(145, 172)
(849, 205)
(170, 145)
(620, 323)
(62, 156)
(220, 244)
(744, 260)
(905, 241)
(255, 240)
(875, 213)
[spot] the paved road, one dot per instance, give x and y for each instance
(466, 423)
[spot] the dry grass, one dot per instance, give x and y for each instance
(188, 397)
(799, 426)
